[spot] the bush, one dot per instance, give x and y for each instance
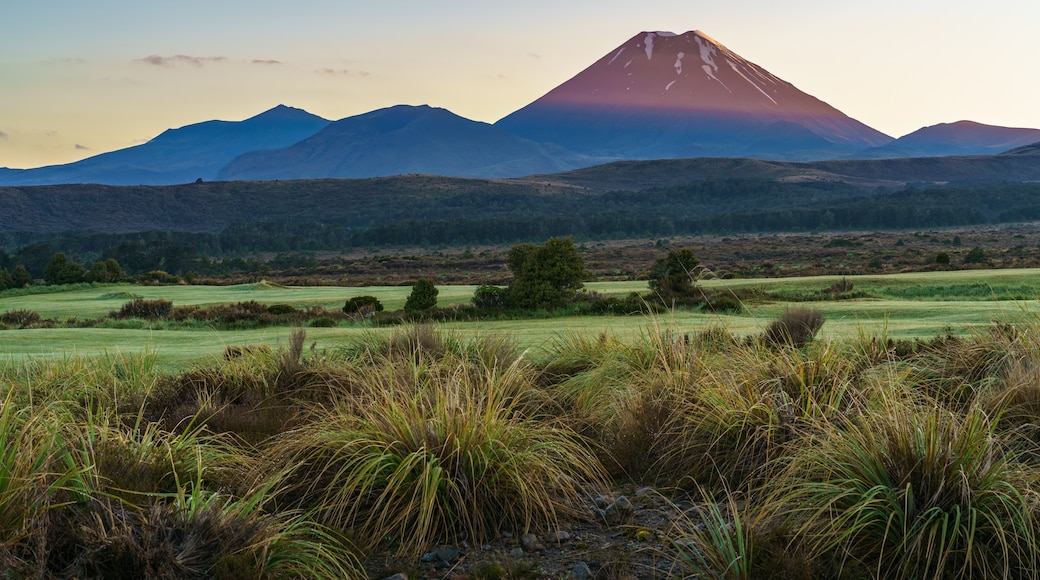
(281, 309)
(672, 277)
(975, 256)
(423, 296)
(146, 309)
(20, 277)
(795, 327)
(20, 317)
(942, 259)
(488, 296)
(363, 305)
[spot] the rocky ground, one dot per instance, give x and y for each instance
(627, 534)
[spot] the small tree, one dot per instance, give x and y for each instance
(104, 271)
(546, 276)
(60, 270)
(672, 277)
(21, 277)
(942, 259)
(423, 296)
(6, 281)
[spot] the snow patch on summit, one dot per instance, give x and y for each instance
(620, 50)
(678, 62)
(707, 53)
(649, 40)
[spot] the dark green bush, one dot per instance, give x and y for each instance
(282, 309)
(489, 296)
(362, 305)
(20, 317)
(147, 309)
(423, 296)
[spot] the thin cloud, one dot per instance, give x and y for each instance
(179, 60)
(534, 55)
(343, 72)
(266, 62)
(3, 135)
(81, 147)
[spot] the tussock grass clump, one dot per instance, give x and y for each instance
(192, 534)
(796, 327)
(34, 468)
(735, 539)
(454, 456)
(751, 406)
(917, 494)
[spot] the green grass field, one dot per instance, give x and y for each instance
(917, 305)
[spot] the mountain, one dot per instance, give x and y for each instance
(662, 95)
(1032, 149)
(960, 138)
(179, 155)
(401, 140)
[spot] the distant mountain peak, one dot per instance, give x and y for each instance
(282, 113)
(686, 95)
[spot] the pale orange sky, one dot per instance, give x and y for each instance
(82, 78)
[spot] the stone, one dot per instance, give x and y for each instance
(618, 513)
(559, 536)
(448, 555)
(602, 501)
(643, 491)
(530, 543)
(581, 571)
(517, 552)
(398, 576)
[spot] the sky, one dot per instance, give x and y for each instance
(81, 78)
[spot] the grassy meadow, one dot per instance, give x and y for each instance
(919, 305)
(901, 442)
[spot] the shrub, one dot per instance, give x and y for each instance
(6, 281)
(672, 277)
(20, 317)
(488, 296)
(423, 296)
(975, 256)
(323, 322)
(362, 305)
(282, 309)
(147, 309)
(942, 259)
(796, 327)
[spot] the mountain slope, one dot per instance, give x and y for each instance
(179, 155)
(661, 95)
(960, 138)
(401, 140)
(1031, 149)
